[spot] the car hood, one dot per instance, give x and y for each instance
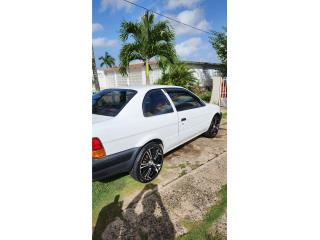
(100, 118)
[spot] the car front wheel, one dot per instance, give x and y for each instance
(148, 163)
(214, 127)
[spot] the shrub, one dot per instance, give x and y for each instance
(205, 96)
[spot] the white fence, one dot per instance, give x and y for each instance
(208, 78)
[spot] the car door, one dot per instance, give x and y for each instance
(160, 118)
(191, 113)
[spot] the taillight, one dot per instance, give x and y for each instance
(97, 148)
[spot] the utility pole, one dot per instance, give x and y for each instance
(94, 73)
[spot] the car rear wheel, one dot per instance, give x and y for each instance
(148, 163)
(214, 127)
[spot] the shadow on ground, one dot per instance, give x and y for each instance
(113, 178)
(144, 218)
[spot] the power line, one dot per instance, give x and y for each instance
(170, 18)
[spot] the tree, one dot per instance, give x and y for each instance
(219, 43)
(107, 60)
(94, 73)
(178, 74)
(149, 40)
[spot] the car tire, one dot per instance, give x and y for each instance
(214, 127)
(148, 163)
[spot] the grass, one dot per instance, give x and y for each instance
(199, 230)
(182, 165)
(224, 115)
(103, 193)
(184, 172)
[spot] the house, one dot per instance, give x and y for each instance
(206, 73)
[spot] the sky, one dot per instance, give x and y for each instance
(190, 44)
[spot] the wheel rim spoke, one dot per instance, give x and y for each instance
(148, 173)
(149, 154)
(157, 167)
(157, 154)
(143, 165)
(214, 127)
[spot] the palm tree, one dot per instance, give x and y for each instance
(107, 60)
(150, 40)
(94, 73)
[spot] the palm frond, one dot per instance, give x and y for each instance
(123, 70)
(162, 31)
(127, 29)
(128, 53)
(166, 50)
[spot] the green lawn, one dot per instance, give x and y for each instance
(199, 230)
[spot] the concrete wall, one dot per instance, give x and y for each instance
(137, 76)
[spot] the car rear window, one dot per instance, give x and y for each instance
(110, 102)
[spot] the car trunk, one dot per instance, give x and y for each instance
(100, 118)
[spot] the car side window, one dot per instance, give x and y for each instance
(183, 100)
(156, 103)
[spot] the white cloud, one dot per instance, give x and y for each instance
(115, 5)
(194, 18)
(97, 27)
(103, 42)
(188, 47)
(172, 4)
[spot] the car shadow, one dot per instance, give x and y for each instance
(171, 152)
(113, 178)
(150, 221)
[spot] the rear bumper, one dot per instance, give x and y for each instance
(113, 164)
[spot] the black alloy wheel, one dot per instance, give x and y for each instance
(148, 163)
(214, 127)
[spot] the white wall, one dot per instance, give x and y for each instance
(137, 77)
(102, 79)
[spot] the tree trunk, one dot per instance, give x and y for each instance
(94, 73)
(147, 73)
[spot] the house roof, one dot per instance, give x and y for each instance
(203, 64)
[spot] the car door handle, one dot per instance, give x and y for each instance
(183, 119)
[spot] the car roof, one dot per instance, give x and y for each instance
(145, 88)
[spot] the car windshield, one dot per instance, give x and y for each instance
(110, 102)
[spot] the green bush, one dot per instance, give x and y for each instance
(178, 74)
(205, 96)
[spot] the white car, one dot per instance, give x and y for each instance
(133, 127)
